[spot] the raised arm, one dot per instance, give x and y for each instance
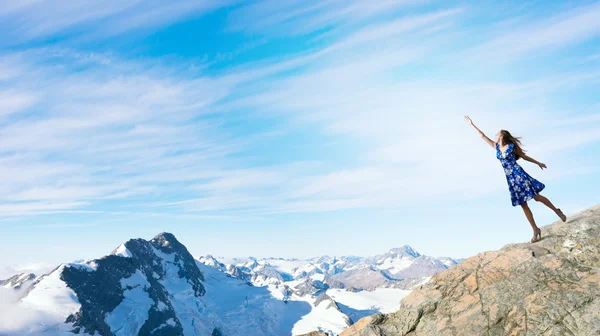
(481, 134)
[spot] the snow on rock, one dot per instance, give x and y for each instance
(187, 307)
(318, 277)
(170, 322)
(25, 277)
(131, 314)
(161, 306)
(383, 300)
(213, 262)
(395, 266)
(448, 261)
(19, 281)
(325, 316)
(52, 295)
(122, 251)
(89, 266)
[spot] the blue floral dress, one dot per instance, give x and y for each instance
(522, 187)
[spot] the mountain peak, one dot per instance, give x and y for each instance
(167, 243)
(404, 250)
(165, 239)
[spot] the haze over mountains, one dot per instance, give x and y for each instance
(156, 287)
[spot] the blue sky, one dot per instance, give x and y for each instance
(293, 129)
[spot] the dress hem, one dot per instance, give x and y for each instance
(530, 197)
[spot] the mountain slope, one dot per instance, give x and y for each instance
(551, 287)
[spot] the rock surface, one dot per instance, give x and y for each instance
(551, 287)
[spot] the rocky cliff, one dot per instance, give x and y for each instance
(551, 287)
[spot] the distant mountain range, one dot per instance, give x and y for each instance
(401, 268)
(156, 287)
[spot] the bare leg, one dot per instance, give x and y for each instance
(529, 216)
(545, 201)
(549, 204)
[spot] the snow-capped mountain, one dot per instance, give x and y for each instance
(156, 287)
(142, 287)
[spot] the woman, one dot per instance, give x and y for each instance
(522, 186)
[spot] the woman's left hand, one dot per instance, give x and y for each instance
(542, 166)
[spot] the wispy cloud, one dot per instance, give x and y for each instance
(379, 107)
(31, 19)
(103, 133)
(411, 126)
(11, 102)
(300, 17)
(560, 30)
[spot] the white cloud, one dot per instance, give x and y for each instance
(157, 138)
(561, 30)
(414, 147)
(106, 132)
(13, 101)
(25, 20)
(300, 17)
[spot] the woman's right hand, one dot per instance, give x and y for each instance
(481, 134)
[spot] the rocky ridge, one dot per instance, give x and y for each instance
(18, 281)
(551, 287)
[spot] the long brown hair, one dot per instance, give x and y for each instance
(508, 138)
